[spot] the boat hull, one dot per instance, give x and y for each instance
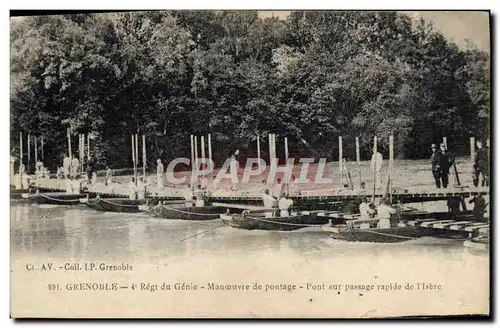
(289, 223)
(121, 205)
(180, 212)
(375, 235)
(54, 198)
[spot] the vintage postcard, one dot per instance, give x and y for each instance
(250, 164)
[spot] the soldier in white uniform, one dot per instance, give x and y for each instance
(284, 205)
(269, 202)
(160, 171)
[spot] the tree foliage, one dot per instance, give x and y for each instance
(312, 77)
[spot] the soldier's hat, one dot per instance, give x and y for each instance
(433, 146)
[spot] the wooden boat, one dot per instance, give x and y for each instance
(54, 198)
(121, 205)
(366, 231)
(182, 212)
(18, 193)
(258, 221)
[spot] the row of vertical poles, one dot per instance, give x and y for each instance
(135, 154)
(35, 141)
(203, 150)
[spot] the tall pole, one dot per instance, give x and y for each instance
(192, 152)
(374, 165)
(274, 146)
(70, 154)
(195, 150)
(36, 152)
(358, 160)
(20, 148)
(472, 149)
(341, 171)
(144, 156)
(258, 149)
(136, 155)
(286, 149)
(210, 147)
(133, 155)
(41, 146)
(270, 148)
(29, 153)
(391, 164)
(202, 147)
(88, 149)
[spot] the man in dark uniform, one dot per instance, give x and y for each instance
(479, 207)
(446, 160)
(436, 170)
(481, 165)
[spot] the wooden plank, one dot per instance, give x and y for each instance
(461, 226)
(446, 225)
(243, 207)
(431, 224)
(420, 221)
(472, 228)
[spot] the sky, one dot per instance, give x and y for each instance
(458, 26)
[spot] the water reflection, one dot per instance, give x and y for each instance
(77, 233)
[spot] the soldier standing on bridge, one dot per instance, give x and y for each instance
(446, 161)
(481, 165)
(436, 170)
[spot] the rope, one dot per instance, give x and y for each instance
(116, 204)
(387, 234)
(201, 233)
(60, 200)
(185, 212)
(317, 244)
(283, 223)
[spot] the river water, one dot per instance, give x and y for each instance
(208, 250)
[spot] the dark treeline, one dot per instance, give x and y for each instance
(312, 77)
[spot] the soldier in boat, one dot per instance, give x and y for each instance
(481, 165)
(131, 188)
(109, 175)
(160, 171)
(69, 185)
(141, 188)
(365, 209)
(76, 185)
(199, 195)
(384, 214)
(66, 166)
(75, 166)
(284, 205)
(188, 194)
(94, 178)
(269, 202)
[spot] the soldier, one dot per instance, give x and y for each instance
(479, 207)
(284, 205)
(446, 160)
(159, 174)
(436, 169)
(481, 165)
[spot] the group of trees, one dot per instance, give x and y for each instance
(311, 77)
